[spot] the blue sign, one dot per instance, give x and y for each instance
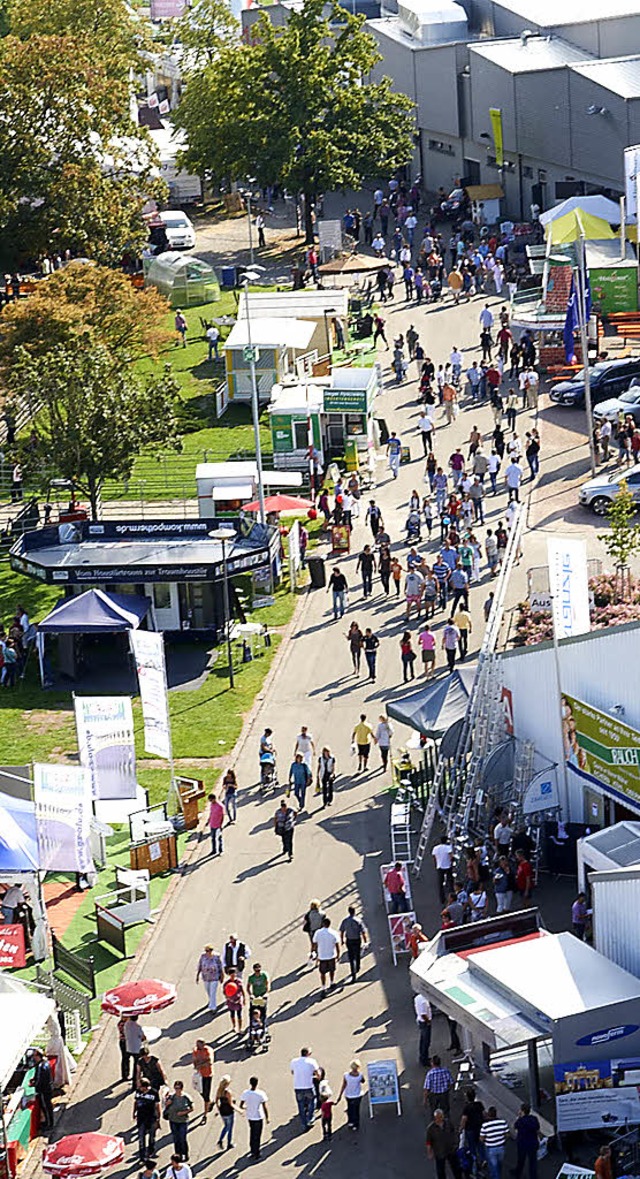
(607, 1035)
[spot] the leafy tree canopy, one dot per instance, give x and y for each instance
(111, 29)
(85, 302)
(92, 413)
(295, 106)
(205, 27)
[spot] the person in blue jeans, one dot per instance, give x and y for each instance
(304, 1069)
(493, 1136)
(178, 1107)
(338, 586)
(299, 779)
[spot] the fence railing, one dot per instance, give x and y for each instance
(80, 969)
(66, 997)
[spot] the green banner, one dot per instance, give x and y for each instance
(615, 289)
(345, 401)
(281, 433)
(601, 746)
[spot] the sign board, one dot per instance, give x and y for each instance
(540, 602)
(400, 925)
(495, 115)
(614, 289)
(586, 1097)
(166, 9)
(62, 796)
(330, 235)
(345, 401)
(148, 652)
(601, 747)
(104, 725)
(250, 354)
(569, 586)
(281, 433)
(382, 1080)
(541, 793)
(340, 539)
(12, 951)
(631, 180)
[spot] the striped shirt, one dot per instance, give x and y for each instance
(494, 1133)
(438, 1080)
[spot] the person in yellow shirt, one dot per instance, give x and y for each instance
(361, 736)
(462, 619)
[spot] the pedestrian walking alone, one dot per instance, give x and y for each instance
(527, 1128)
(211, 971)
(338, 587)
(383, 735)
(326, 775)
(353, 937)
(299, 779)
(371, 642)
(450, 640)
(226, 1107)
(215, 823)
(408, 657)
(177, 1109)
(284, 823)
(361, 738)
(254, 1103)
(202, 1061)
(493, 1135)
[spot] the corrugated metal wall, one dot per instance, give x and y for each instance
(616, 913)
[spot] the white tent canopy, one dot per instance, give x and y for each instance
(23, 1015)
(597, 206)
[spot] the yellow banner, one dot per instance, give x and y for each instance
(495, 114)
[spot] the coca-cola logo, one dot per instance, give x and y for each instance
(12, 946)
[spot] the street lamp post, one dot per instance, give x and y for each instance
(250, 353)
(225, 536)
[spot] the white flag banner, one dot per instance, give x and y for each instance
(105, 739)
(62, 797)
(569, 585)
(148, 652)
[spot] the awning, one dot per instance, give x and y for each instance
(22, 1017)
(95, 612)
(435, 708)
(18, 835)
(241, 491)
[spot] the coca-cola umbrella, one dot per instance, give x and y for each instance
(139, 998)
(82, 1154)
(286, 505)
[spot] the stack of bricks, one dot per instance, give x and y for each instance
(556, 296)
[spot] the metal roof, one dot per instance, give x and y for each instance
(620, 75)
(536, 53)
(548, 14)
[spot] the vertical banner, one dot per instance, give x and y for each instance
(62, 797)
(631, 173)
(105, 739)
(495, 114)
(569, 585)
(148, 652)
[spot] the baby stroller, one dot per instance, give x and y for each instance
(258, 1036)
(268, 772)
(413, 526)
(436, 289)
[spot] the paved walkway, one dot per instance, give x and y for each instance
(338, 853)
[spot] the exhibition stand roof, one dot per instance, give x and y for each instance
(614, 847)
(433, 709)
(95, 612)
(23, 1015)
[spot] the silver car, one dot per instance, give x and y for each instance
(599, 493)
(628, 402)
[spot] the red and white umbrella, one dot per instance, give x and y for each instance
(82, 1154)
(287, 505)
(139, 998)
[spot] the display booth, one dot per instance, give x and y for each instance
(539, 1014)
(23, 1018)
(184, 280)
(278, 348)
(335, 411)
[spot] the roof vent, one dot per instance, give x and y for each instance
(525, 34)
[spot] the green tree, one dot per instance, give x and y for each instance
(295, 106)
(622, 541)
(109, 28)
(85, 302)
(74, 167)
(206, 27)
(93, 415)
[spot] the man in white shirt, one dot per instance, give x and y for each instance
(306, 746)
(212, 335)
(422, 1008)
(503, 834)
(443, 860)
(12, 898)
(456, 360)
(425, 426)
(178, 1169)
(304, 1069)
(254, 1102)
(605, 439)
(513, 476)
(327, 944)
(486, 317)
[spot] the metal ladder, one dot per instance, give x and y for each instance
(401, 832)
(487, 732)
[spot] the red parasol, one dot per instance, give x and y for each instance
(287, 505)
(139, 998)
(82, 1154)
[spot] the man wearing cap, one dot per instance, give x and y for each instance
(211, 972)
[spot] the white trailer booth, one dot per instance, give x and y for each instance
(543, 1017)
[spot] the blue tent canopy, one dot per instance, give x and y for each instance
(95, 612)
(18, 835)
(434, 708)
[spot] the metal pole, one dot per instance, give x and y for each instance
(250, 231)
(255, 410)
(623, 229)
(581, 275)
(227, 612)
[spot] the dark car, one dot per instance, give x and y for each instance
(609, 379)
(456, 203)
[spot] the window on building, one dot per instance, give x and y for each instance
(162, 595)
(300, 435)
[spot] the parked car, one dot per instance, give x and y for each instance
(180, 232)
(609, 379)
(456, 204)
(626, 403)
(599, 493)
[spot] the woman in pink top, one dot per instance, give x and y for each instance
(427, 644)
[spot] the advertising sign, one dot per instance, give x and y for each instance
(345, 401)
(105, 739)
(340, 539)
(62, 796)
(601, 747)
(586, 1097)
(569, 585)
(382, 1077)
(615, 289)
(281, 433)
(631, 179)
(148, 652)
(166, 9)
(541, 793)
(12, 952)
(495, 114)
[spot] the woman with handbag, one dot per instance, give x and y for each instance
(176, 1111)
(326, 775)
(202, 1061)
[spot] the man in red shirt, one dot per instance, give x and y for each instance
(524, 876)
(394, 884)
(215, 823)
(504, 341)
